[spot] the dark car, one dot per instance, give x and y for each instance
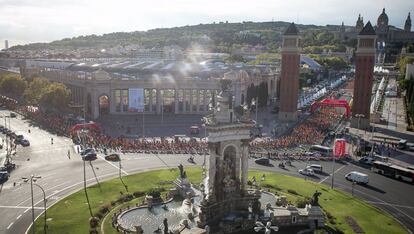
(4, 176)
(13, 115)
(87, 151)
(4, 130)
(24, 142)
(263, 161)
(89, 157)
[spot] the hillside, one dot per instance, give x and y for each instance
(217, 37)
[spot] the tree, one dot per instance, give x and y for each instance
(12, 85)
(56, 95)
(36, 90)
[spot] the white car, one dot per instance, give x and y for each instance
(357, 177)
(306, 171)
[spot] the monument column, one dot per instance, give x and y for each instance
(289, 83)
(364, 72)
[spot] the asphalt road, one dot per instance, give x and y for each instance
(61, 176)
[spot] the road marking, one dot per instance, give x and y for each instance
(10, 225)
(126, 173)
(18, 216)
(320, 182)
(22, 207)
(45, 190)
(390, 204)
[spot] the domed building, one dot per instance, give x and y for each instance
(387, 35)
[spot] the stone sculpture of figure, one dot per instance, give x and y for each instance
(182, 172)
(165, 222)
(315, 198)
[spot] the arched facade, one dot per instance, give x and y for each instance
(103, 103)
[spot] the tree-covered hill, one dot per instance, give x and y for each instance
(217, 37)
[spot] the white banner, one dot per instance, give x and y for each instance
(136, 100)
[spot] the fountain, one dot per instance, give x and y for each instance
(224, 203)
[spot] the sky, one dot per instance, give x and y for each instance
(28, 21)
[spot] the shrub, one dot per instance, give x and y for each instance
(125, 198)
(155, 192)
(99, 215)
(249, 183)
(292, 192)
(275, 187)
(302, 202)
(93, 222)
(113, 203)
(138, 194)
(105, 208)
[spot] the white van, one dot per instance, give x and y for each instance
(316, 168)
(357, 177)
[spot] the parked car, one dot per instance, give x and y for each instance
(262, 161)
(306, 171)
(13, 115)
(357, 177)
(24, 142)
(316, 168)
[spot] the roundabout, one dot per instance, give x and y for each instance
(70, 215)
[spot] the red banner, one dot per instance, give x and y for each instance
(339, 148)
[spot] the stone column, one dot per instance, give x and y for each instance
(198, 101)
(176, 101)
(212, 166)
(158, 100)
(111, 101)
(94, 105)
(205, 102)
(184, 100)
(244, 164)
(150, 100)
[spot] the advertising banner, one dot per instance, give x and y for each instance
(136, 100)
(339, 148)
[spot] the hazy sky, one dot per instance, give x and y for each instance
(25, 21)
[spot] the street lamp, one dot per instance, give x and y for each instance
(32, 179)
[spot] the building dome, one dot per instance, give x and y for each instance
(382, 19)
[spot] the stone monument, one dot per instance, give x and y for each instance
(315, 213)
(226, 182)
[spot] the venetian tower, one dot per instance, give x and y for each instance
(289, 82)
(364, 71)
(225, 187)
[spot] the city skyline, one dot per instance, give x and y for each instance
(45, 21)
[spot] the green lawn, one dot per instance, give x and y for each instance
(70, 215)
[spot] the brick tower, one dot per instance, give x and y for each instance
(364, 70)
(289, 83)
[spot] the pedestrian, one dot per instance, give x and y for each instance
(14, 184)
(69, 154)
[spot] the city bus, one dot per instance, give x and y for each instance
(323, 150)
(393, 171)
